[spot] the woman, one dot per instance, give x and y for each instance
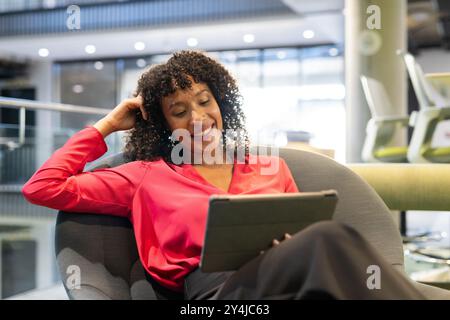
(186, 115)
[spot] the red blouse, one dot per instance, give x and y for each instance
(166, 203)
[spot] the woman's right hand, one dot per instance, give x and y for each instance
(122, 117)
(276, 242)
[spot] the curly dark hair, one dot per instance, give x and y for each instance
(150, 140)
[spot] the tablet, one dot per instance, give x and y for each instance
(238, 227)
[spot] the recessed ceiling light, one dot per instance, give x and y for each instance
(141, 63)
(98, 65)
(248, 38)
(308, 34)
(139, 46)
(78, 88)
(333, 52)
(49, 4)
(90, 49)
(192, 42)
(43, 52)
(281, 55)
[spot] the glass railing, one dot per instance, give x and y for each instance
(23, 148)
(27, 256)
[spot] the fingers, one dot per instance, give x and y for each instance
(144, 113)
(139, 99)
(139, 102)
(276, 242)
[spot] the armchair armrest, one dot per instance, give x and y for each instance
(409, 186)
(404, 120)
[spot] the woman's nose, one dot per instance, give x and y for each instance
(196, 116)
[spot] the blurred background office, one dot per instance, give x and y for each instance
(65, 64)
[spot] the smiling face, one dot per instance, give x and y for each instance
(172, 84)
(195, 110)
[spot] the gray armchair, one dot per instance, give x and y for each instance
(103, 247)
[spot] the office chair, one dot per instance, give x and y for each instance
(104, 247)
(382, 127)
(433, 109)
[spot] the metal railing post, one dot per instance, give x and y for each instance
(22, 122)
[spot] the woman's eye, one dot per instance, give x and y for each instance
(180, 114)
(204, 102)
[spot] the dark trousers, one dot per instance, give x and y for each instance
(327, 260)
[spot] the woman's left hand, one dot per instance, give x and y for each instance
(276, 242)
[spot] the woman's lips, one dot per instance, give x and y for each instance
(204, 133)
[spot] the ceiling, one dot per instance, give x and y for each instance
(323, 17)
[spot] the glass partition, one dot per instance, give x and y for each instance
(292, 96)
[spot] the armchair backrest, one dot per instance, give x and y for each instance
(376, 97)
(426, 95)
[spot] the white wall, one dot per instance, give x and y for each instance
(434, 60)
